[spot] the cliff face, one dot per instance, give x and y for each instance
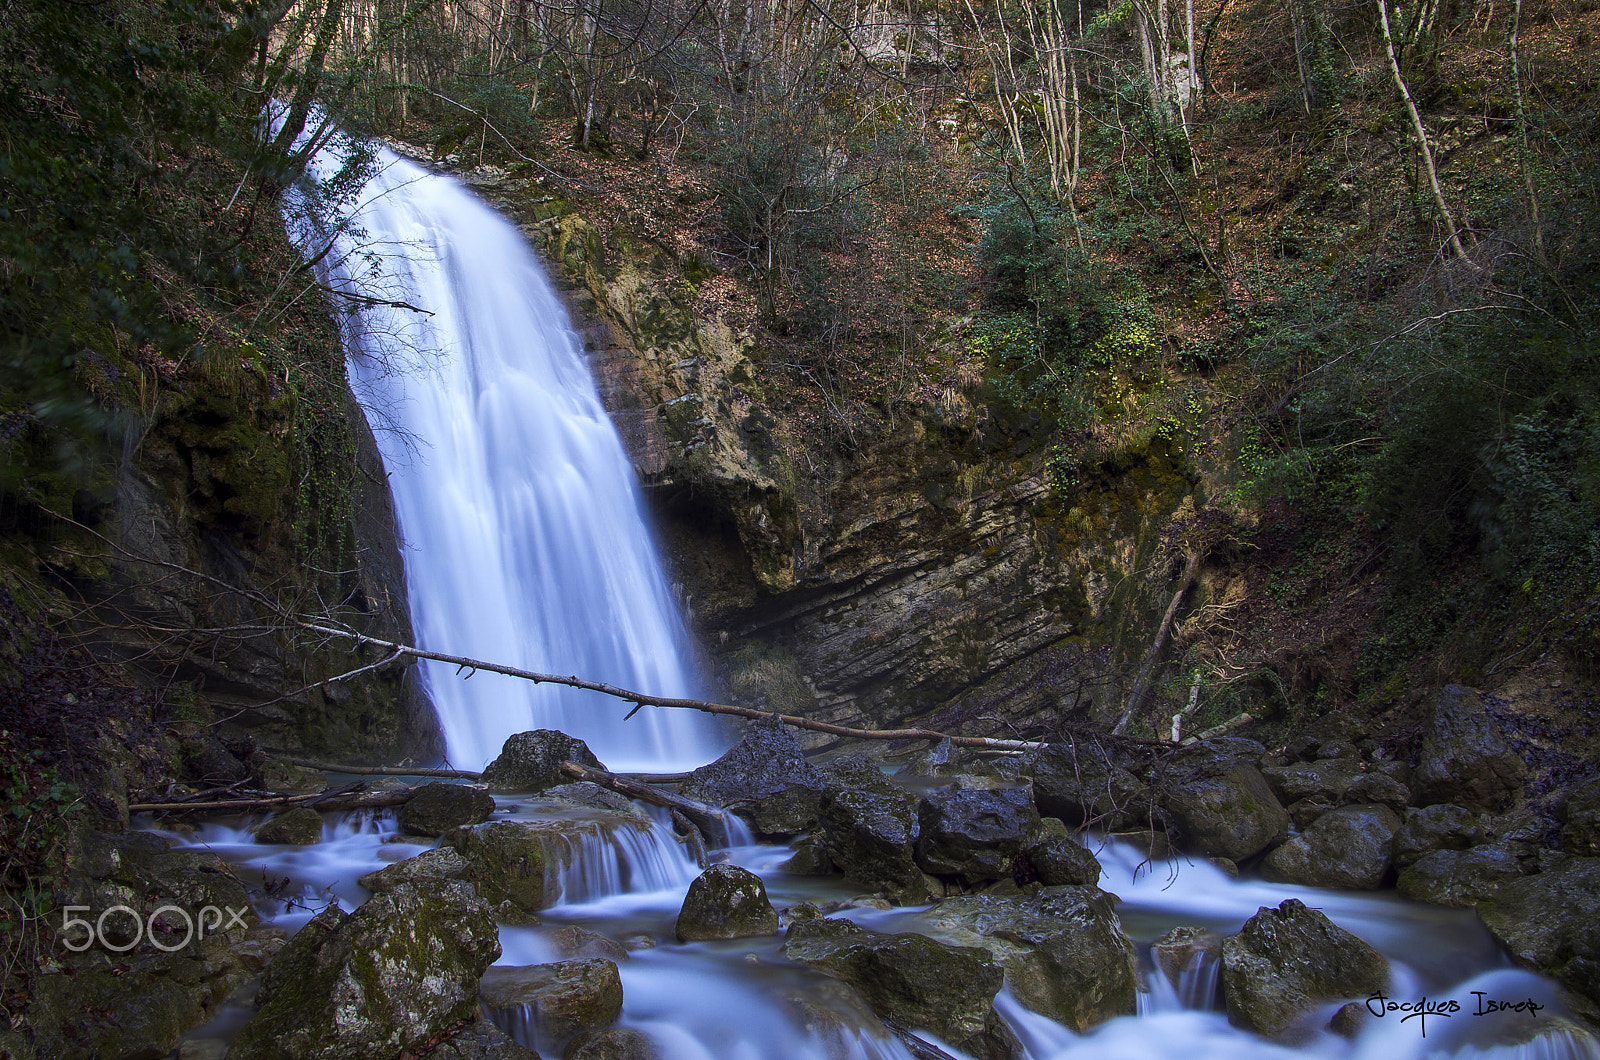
(931, 571)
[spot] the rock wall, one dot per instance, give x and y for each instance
(931, 572)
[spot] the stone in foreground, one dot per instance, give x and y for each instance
(553, 1001)
(1286, 961)
(397, 972)
(726, 902)
(531, 761)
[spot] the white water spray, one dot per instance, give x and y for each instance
(524, 535)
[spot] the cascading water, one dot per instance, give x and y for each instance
(524, 537)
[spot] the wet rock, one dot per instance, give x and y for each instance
(508, 862)
(1464, 759)
(1084, 786)
(1378, 788)
(618, 1043)
(1350, 1019)
(572, 942)
(1580, 830)
(481, 1041)
(1180, 949)
(300, 826)
(554, 1001)
(1286, 961)
(765, 779)
(1063, 949)
(1459, 878)
(440, 863)
(915, 981)
(531, 761)
(869, 835)
(1304, 814)
(1052, 857)
(726, 902)
(437, 808)
(1347, 849)
(1443, 826)
(1221, 804)
(1227, 865)
(588, 793)
(398, 971)
(1551, 923)
(810, 858)
(973, 830)
(1322, 781)
(942, 759)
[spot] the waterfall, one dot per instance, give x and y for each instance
(524, 537)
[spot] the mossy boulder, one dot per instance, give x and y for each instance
(974, 829)
(1185, 949)
(556, 1001)
(1550, 923)
(440, 863)
(437, 808)
(1347, 849)
(478, 1041)
(1064, 951)
(1464, 759)
(913, 981)
(397, 972)
(726, 902)
(530, 762)
(618, 1043)
(1286, 961)
(301, 826)
(510, 863)
(1459, 878)
(1444, 826)
(1221, 804)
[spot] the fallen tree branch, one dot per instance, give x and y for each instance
(711, 820)
(380, 771)
(335, 800)
(1141, 683)
(1218, 730)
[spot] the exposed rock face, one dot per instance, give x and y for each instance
(440, 863)
(1063, 950)
(1551, 924)
(1459, 877)
(300, 826)
(1285, 961)
(1346, 849)
(437, 808)
(974, 830)
(765, 779)
(555, 1001)
(913, 980)
(1221, 803)
(726, 902)
(1464, 759)
(1052, 857)
(531, 761)
(1440, 827)
(397, 971)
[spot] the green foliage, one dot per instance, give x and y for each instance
(36, 809)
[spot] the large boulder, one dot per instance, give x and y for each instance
(1084, 786)
(1286, 961)
(440, 863)
(869, 835)
(1220, 802)
(1054, 858)
(1551, 923)
(530, 762)
(512, 864)
(1464, 758)
(1443, 826)
(301, 826)
(553, 1001)
(726, 902)
(1063, 949)
(974, 829)
(1322, 781)
(765, 779)
(1459, 878)
(397, 972)
(1347, 849)
(437, 808)
(912, 980)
